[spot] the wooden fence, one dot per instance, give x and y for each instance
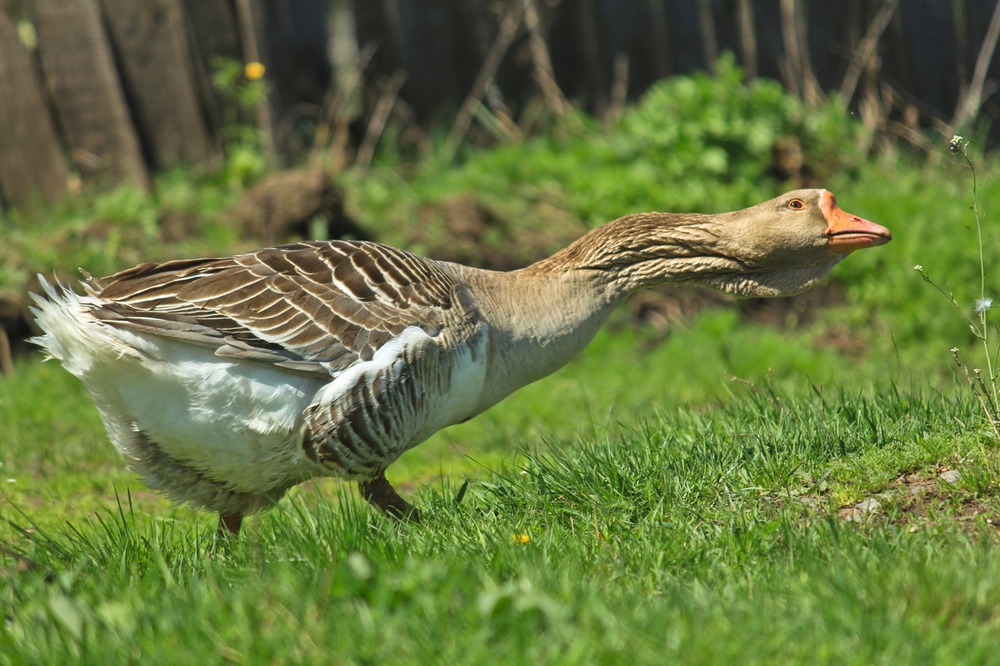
(99, 92)
(108, 91)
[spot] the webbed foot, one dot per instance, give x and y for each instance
(229, 525)
(380, 493)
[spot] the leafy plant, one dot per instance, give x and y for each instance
(244, 88)
(700, 142)
(721, 127)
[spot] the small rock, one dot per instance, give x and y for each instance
(861, 510)
(870, 505)
(951, 476)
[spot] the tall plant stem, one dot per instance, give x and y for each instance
(984, 309)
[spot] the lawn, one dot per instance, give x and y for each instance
(816, 486)
(717, 532)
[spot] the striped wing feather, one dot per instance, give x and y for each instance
(316, 306)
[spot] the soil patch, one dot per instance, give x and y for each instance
(295, 204)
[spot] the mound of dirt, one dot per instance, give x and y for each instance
(15, 328)
(467, 231)
(295, 203)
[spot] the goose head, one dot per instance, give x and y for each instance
(776, 248)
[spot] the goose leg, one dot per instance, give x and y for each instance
(229, 524)
(380, 493)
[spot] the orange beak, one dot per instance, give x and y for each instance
(847, 232)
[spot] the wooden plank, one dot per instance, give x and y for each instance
(160, 74)
(215, 33)
(90, 107)
(31, 161)
(289, 38)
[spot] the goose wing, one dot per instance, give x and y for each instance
(316, 307)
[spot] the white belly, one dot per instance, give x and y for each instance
(170, 406)
(237, 423)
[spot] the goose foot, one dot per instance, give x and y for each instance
(229, 524)
(380, 493)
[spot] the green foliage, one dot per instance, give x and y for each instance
(692, 143)
(718, 129)
(244, 91)
(689, 536)
(108, 231)
(241, 83)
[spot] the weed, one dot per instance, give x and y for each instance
(986, 391)
(245, 90)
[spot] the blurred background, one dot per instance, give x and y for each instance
(110, 91)
(493, 132)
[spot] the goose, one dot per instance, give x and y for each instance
(226, 381)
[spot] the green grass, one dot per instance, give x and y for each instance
(706, 535)
(668, 514)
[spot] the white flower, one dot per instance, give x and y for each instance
(983, 304)
(918, 267)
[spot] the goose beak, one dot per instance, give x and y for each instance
(846, 232)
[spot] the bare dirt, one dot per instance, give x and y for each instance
(914, 501)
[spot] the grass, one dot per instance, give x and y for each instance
(623, 522)
(702, 535)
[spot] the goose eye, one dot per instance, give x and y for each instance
(797, 204)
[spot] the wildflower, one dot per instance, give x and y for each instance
(958, 143)
(253, 70)
(918, 267)
(521, 538)
(983, 304)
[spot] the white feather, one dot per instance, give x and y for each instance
(237, 423)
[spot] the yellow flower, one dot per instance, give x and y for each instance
(253, 70)
(521, 538)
